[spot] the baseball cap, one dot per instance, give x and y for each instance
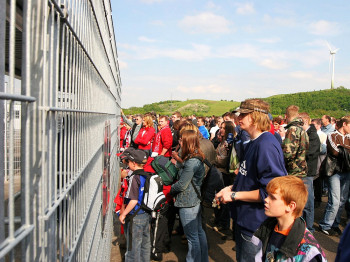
(135, 155)
(251, 105)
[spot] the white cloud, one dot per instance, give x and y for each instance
(245, 9)
(271, 40)
(212, 6)
(122, 64)
(209, 89)
(273, 64)
(205, 23)
(288, 22)
(302, 75)
(323, 27)
(195, 53)
(157, 22)
(146, 39)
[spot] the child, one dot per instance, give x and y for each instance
(136, 220)
(284, 236)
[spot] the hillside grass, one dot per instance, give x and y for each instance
(333, 102)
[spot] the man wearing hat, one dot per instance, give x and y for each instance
(136, 220)
(262, 161)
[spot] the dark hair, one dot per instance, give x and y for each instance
(278, 120)
(190, 145)
(318, 121)
(165, 117)
(229, 128)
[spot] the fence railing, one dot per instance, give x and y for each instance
(59, 60)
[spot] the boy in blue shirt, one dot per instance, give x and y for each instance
(136, 220)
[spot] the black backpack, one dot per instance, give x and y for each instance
(212, 184)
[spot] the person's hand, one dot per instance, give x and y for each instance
(173, 161)
(122, 219)
(175, 156)
(224, 195)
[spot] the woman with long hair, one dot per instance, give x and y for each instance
(191, 175)
(146, 135)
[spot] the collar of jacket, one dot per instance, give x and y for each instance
(296, 122)
(292, 241)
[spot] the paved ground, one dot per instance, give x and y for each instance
(221, 249)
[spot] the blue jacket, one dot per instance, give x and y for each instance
(204, 132)
(185, 195)
(262, 161)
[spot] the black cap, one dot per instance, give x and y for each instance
(135, 155)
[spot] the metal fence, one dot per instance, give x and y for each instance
(63, 54)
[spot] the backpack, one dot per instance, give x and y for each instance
(211, 184)
(153, 196)
(165, 169)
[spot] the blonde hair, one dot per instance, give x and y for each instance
(291, 189)
(292, 111)
(148, 120)
(188, 126)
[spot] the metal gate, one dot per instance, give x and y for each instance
(59, 62)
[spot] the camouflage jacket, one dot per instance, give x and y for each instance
(294, 148)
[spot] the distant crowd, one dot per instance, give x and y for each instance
(274, 171)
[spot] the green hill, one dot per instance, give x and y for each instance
(200, 107)
(334, 102)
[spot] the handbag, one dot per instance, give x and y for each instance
(329, 166)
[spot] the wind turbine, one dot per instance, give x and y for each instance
(331, 60)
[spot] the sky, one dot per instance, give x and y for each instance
(228, 50)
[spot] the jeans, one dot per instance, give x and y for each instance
(140, 239)
(308, 212)
(197, 241)
(338, 189)
(245, 249)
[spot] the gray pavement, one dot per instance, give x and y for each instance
(221, 244)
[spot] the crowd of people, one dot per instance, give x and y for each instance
(275, 172)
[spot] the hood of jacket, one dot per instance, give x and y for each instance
(296, 122)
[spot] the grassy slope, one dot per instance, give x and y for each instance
(334, 102)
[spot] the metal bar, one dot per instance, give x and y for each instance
(12, 116)
(57, 109)
(19, 235)
(81, 228)
(17, 220)
(58, 201)
(2, 116)
(14, 97)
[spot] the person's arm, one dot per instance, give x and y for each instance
(224, 196)
(332, 146)
(128, 121)
(127, 210)
(184, 179)
(146, 139)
